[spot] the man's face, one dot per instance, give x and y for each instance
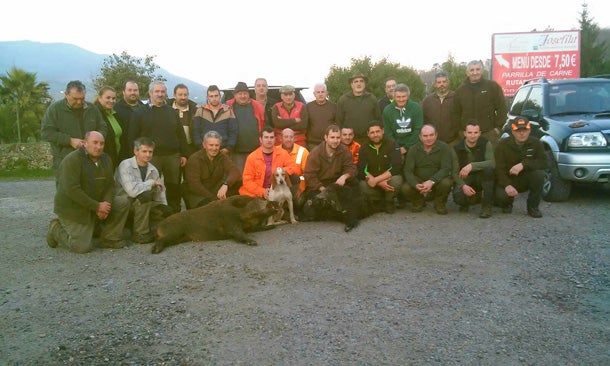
(182, 97)
(94, 144)
(521, 135)
(441, 84)
(143, 155)
(474, 73)
(472, 134)
(333, 139)
(158, 94)
(401, 98)
(211, 146)
(288, 139)
(287, 98)
(389, 88)
(427, 136)
(347, 136)
(320, 94)
(358, 85)
(260, 88)
(267, 140)
(75, 98)
(242, 97)
(131, 93)
(375, 134)
(214, 98)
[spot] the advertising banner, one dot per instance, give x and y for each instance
(518, 57)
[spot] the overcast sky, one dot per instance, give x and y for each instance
(223, 42)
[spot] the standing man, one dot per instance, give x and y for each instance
(298, 154)
(85, 189)
(124, 109)
(289, 114)
(482, 100)
(209, 174)
(250, 116)
(331, 163)
(322, 113)
(262, 162)
(389, 86)
(66, 122)
(261, 90)
(475, 176)
(403, 119)
(218, 117)
(347, 140)
(357, 108)
(138, 188)
(438, 110)
(379, 168)
(428, 171)
(160, 122)
(185, 108)
(520, 165)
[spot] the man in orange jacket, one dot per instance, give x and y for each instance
(260, 164)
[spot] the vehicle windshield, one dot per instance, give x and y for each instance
(579, 98)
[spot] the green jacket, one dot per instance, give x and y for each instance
(357, 112)
(403, 124)
(81, 186)
(59, 124)
(421, 166)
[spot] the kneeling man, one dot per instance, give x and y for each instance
(85, 188)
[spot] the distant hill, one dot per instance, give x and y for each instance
(58, 63)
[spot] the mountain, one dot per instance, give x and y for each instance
(58, 63)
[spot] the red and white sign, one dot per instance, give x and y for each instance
(518, 57)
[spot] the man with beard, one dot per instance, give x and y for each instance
(124, 108)
(438, 110)
(330, 163)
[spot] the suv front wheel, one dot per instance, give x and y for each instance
(555, 188)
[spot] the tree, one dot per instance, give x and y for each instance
(337, 80)
(593, 52)
(116, 70)
(26, 100)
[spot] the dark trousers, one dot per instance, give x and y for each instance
(169, 168)
(531, 181)
(440, 192)
(482, 182)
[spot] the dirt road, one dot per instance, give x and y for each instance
(399, 289)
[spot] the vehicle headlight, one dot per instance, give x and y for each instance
(587, 139)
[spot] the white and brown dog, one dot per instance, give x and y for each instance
(280, 193)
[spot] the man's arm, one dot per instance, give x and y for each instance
(489, 162)
(131, 180)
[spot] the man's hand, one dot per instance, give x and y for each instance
(182, 161)
(511, 191)
(222, 192)
(76, 143)
(385, 185)
(159, 186)
(341, 180)
(465, 171)
(103, 209)
(468, 190)
(225, 151)
(266, 193)
(516, 169)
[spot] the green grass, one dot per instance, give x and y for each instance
(27, 174)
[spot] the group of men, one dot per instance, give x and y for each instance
(354, 148)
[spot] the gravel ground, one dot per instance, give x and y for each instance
(399, 289)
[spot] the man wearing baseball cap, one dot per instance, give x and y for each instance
(520, 165)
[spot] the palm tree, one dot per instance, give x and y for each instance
(20, 92)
